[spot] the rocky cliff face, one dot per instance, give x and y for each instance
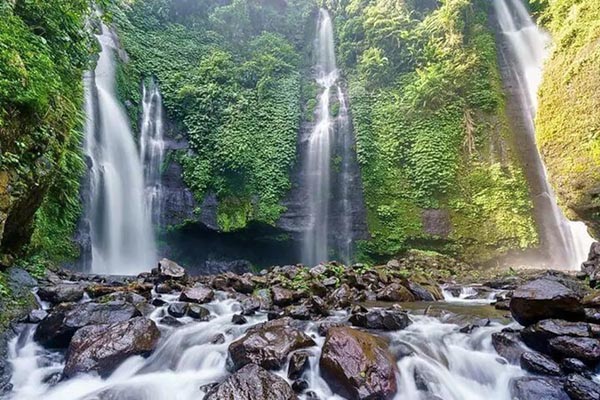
(568, 122)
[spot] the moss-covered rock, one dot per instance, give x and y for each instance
(568, 121)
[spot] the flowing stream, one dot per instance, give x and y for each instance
(567, 242)
(330, 132)
(120, 228)
(438, 360)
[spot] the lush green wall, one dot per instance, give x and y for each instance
(568, 119)
(231, 76)
(43, 52)
(428, 111)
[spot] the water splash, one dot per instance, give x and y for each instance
(567, 242)
(120, 229)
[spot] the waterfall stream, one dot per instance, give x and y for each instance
(567, 242)
(120, 228)
(330, 132)
(152, 149)
(441, 361)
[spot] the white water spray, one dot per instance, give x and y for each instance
(568, 241)
(120, 228)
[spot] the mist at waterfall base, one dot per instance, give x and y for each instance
(454, 365)
(566, 243)
(120, 225)
(329, 133)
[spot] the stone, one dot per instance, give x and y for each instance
(341, 297)
(579, 387)
(177, 309)
(395, 292)
(358, 365)
(319, 306)
(250, 305)
(570, 365)
(238, 319)
(300, 385)
(509, 346)
(300, 312)
(252, 383)
(584, 349)
(268, 344)
(537, 335)
(540, 364)
(171, 321)
(101, 348)
(168, 270)
(242, 284)
(387, 320)
(298, 364)
(198, 312)
(197, 294)
(61, 293)
(282, 297)
(57, 329)
(420, 292)
(545, 298)
(537, 388)
(36, 316)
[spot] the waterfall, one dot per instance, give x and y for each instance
(120, 229)
(567, 242)
(152, 149)
(328, 130)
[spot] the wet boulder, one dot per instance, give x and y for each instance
(268, 344)
(540, 364)
(424, 292)
(170, 270)
(537, 335)
(358, 365)
(282, 297)
(298, 364)
(252, 383)
(101, 348)
(57, 329)
(579, 387)
(198, 312)
(197, 294)
(62, 292)
(381, 319)
(341, 297)
(546, 298)
(537, 388)
(584, 349)
(177, 309)
(395, 292)
(509, 346)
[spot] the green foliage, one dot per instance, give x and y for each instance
(568, 123)
(425, 93)
(44, 49)
(230, 77)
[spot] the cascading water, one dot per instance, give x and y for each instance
(439, 360)
(152, 149)
(318, 168)
(120, 228)
(567, 242)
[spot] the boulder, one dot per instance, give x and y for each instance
(545, 298)
(239, 319)
(170, 270)
(341, 297)
(537, 388)
(387, 320)
(177, 309)
(540, 364)
(420, 292)
(579, 387)
(537, 335)
(61, 293)
(358, 365)
(101, 348)
(591, 267)
(57, 329)
(268, 344)
(282, 297)
(198, 312)
(298, 364)
(571, 365)
(252, 383)
(509, 346)
(197, 294)
(395, 292)
(584, 349)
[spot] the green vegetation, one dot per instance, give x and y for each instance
(568, 122)
(428, 111)
(231, 76)
(43, 52)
